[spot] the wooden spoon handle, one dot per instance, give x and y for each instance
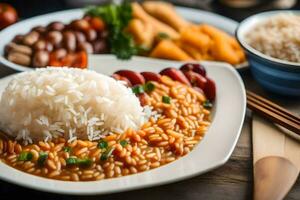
(273, 178)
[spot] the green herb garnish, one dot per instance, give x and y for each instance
(102, 144)
(42, 158)
(117, 17)
(163, 36)
(67, 149)
(138, 89)
(25, 156)
(71, 161)
(166, 99)
(149, 87)
(207, 104)
(84, 162)
(106, 154)
(123, 143)
(79, 161)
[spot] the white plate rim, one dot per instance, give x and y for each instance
(230, 89)
(196, 15)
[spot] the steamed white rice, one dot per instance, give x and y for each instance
(278, 37)
(74, 103)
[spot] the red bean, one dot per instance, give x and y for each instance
(90, 34)
(195, 79)
(135, 78)
(55, 37)
(100, 46)
(210, 89)
(69, 40)
(59, 53)
(56, 26)
(39, 29)
(80, 24)
(176, 75)
(195, 67)
(80, 37)
(122, 78)
(85, 46)
(151, 76)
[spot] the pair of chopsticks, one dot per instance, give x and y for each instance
(274, 112)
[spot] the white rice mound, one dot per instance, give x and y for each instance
(73, 103)
(278, 37)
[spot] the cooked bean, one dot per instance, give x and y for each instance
(80, 37)
(49, 46)
(18, 39)
(19, 48)
(90, 34)
(69, 40)
(55, 37)
(59, 53)
(39, 29)
(40, 59)
(39, 45)
(43, 45)
(19, 58)
(31, 38)
(80, 24)
(100, 46)
(86, 46)
(56, 26)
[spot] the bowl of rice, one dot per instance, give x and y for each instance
(271, 40)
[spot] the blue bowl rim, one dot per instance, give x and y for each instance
(251, 50)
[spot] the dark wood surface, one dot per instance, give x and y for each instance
(231, 181)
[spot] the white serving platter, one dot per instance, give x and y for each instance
(22, 27)
(213, 151)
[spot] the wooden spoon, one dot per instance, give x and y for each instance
(274, 176)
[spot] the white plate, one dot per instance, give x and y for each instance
(213, 151)
(25, 26)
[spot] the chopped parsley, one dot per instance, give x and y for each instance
(207, 104)
(25, 156)
(102, 144)
(166, 99)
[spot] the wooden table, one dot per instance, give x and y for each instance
(231, 181)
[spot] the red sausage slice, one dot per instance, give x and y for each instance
(210, 89)
(151, 76)
(135, 78)
(196, 79)
(176, 75)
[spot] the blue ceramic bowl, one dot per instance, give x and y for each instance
(278, 76)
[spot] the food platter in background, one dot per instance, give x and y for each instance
(193, 15)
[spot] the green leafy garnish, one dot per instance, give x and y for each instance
(163, 36)
(79, 161)
(84, 161)
(106, 154)
(25, 156)
(42, 158)
(207, 104)
(102, 144)
(166, 99)
(138, 89)
(71, 161)
(149, 87)
(67, 149)
(123, 143)
(117, 17)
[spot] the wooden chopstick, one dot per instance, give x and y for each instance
(273, 112)
(273, 107)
